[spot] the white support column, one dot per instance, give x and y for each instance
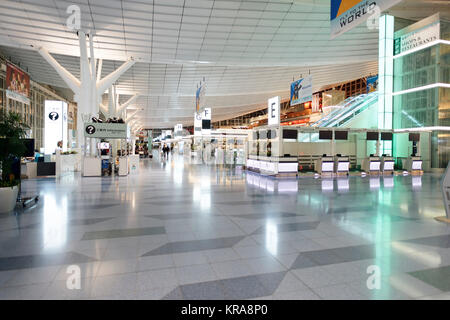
(90, 87)
(99, 70)
(132, 115)
(107, 81)
(385, 77)
(72, 82)
(111, 106)
(127, 103)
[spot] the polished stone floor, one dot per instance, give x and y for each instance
(182, 231)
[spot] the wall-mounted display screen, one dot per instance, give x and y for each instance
(386, 136)
(414, 137)
(341, 135)
(372, 136)
(290, 134)
(206, 124)
(325, 135)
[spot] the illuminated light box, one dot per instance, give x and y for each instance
(288, 167)
(416, 165)
(343, 166)
(388, 166)
(374, 166)
(327, 166)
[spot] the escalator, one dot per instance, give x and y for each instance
(347, 110)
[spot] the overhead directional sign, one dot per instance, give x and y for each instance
(106, 130)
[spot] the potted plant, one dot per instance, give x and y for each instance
(12, 130)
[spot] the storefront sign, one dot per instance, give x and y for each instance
(17, 84)
(273, 111)
(55, 131)
(347, 14)
(106, 130)
(301, 91)
(416, 39)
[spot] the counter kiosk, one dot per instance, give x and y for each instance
(371, 164)
(387, 164)
(341, 164)
(325, 165)
(414, 164)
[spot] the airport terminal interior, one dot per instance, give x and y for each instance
(225, 150)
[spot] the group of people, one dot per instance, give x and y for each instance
(166, 149)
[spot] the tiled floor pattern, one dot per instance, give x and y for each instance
(181, 231)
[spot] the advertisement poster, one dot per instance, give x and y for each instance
(17, 84)
(372, 84)
(347, 14)
(301, 91)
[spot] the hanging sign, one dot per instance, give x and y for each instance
(301, 91)
(106, 130)
(273, 111)
(347, 14)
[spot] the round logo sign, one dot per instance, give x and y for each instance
(90, 129)
(53, 115)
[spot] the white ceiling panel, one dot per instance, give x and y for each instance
(246, 50)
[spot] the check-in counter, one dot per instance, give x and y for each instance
(325, 165)
(341, 164)
(387, 164)
(372, 164)
(272, 165)
(413, 164)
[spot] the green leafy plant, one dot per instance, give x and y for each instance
(12, 130)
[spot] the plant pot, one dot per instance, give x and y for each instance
(8, 198)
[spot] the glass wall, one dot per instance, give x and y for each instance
(416, 69)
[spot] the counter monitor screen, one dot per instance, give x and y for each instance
(262, 134)
(206, 124)
(325, 135)
(414, 137)
(290, 134)
(341, 135)
(372, 136)
(386, 136)
(255, 135)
